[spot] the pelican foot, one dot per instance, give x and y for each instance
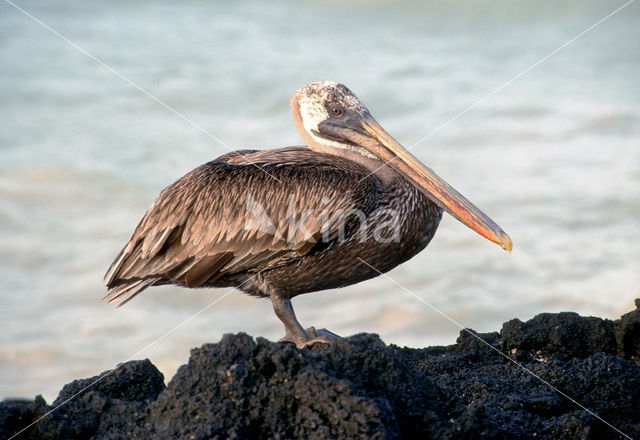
(322, 333)
(311, 337)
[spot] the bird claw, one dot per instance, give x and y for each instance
(313, 336)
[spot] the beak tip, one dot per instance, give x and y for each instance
(505, 242)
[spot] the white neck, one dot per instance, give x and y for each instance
(376, 166)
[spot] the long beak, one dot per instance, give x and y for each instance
(439, 191)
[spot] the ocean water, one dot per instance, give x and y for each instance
(553, 157)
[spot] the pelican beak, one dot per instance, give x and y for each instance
(428, 182)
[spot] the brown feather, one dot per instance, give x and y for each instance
(206, 269)
(228, 216)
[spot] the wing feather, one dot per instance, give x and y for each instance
(228, 216)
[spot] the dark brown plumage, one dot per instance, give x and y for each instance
(288, 221)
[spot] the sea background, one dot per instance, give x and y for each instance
(553, 157)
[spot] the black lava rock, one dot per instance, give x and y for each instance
(558, 336)
(628, 333)
(557, 376)
(111, 405)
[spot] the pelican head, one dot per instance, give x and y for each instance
(331, 118)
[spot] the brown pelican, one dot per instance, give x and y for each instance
(277, 223)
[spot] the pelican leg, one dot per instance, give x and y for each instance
(293, 330)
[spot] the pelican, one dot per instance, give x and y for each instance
(348, 206)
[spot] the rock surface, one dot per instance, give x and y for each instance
(359, 387)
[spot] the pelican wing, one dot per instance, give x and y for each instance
(243, 212)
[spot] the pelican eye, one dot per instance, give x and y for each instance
(336, 109)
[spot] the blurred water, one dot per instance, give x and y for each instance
(554, 158)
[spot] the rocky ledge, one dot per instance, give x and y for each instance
(359, 387)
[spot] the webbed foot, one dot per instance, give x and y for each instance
(311, 337)
(294, 331)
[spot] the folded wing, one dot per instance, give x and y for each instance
(243, 212)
